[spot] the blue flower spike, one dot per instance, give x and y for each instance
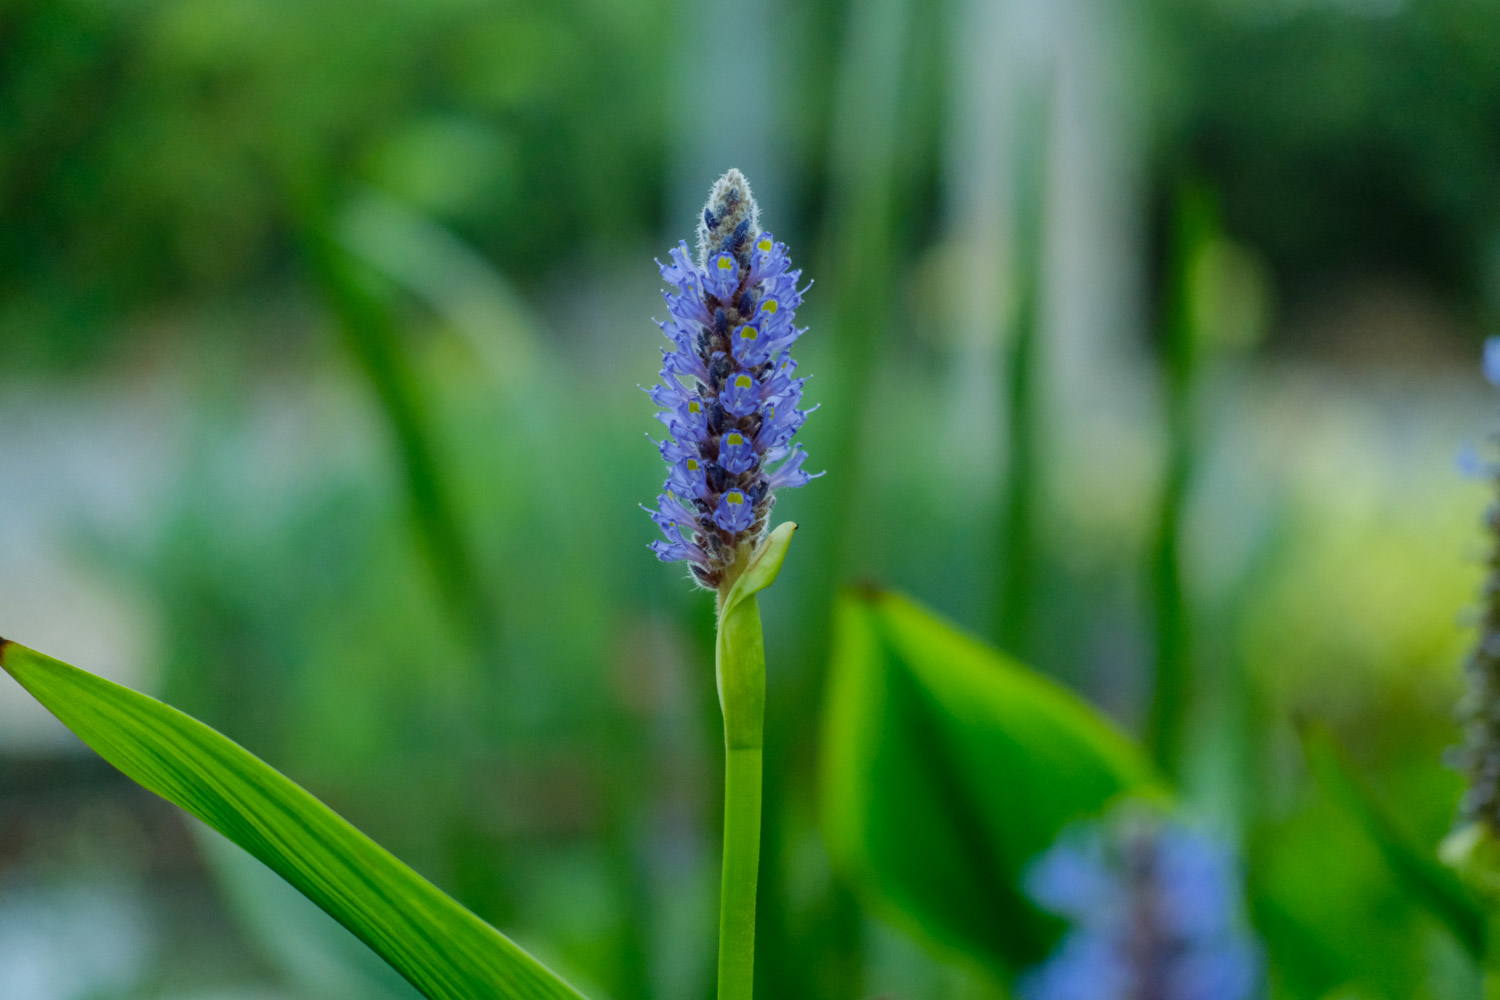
(1473, 848)
(727, 394)
(1491, 364)
(1155, 909)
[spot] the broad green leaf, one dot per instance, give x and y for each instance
(1419, 872)
(440, 947)
(948, 768)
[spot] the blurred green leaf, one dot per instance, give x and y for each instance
(1417, 871)
(371, 334)
(444, 950)
(947, 768)
(1020, 507)
(1195, 224)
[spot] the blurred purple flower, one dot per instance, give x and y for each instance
(727, 394)
(1491, 363)
(1479, 710)
(1155, 910)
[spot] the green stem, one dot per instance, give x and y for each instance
(1194, 225)
(1021, 503)
(741, 665)
(741, 869)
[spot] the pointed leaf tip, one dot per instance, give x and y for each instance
(442, 948)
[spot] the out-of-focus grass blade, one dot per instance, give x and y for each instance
(1304, 965)
(371, 336)
(1194, 225)
(948, 768)
(881, 105)
(1017, 581)
(867, 163)
(439, 946)
(1418, 872)
(450, 277)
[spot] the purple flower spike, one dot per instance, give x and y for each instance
(1156, 912)
(727, 394)
(1492, 360)
(1479, 756)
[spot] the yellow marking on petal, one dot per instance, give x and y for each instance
(735, 438)
(769, 306)
(764, 244)
(735, 497)
(749, 333)
(744, 382)
(725, 263)
(695, 406)
(692, 465)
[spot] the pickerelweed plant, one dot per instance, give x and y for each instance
(730, 402)
(731, 405)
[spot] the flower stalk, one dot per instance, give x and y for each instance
(741, 669)
(740, 661)
(730, 398)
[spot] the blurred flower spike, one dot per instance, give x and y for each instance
(1479, 757)
(1491, 364)
(1156, 914)
(728, 394)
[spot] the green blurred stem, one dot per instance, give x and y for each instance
(741, 666)
(1018, 509)
(1194, 225)
(1020, 505)
(1170, 689)
(1492, 956)
(373, 341)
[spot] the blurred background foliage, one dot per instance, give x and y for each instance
(320, 327)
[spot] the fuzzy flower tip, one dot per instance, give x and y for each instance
(728, 392)
(1156, 915)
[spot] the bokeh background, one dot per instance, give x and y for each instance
(1146, 336)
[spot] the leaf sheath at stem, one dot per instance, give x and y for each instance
(741, 669)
